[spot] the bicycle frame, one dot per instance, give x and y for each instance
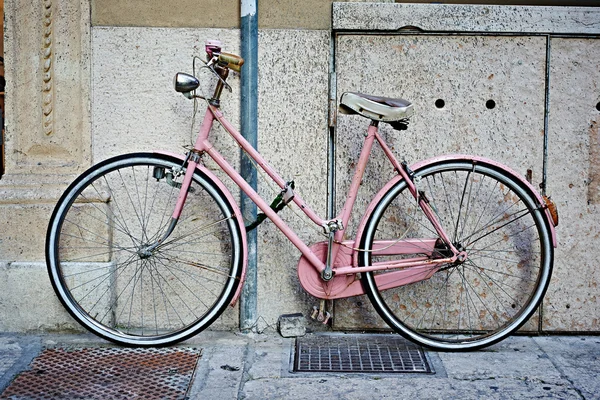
(128, 273)
(204, 146)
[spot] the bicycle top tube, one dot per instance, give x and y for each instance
(393, 111)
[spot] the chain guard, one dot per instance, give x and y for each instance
(310, 278)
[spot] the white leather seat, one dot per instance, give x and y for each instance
(377, 108)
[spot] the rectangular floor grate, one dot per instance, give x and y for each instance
(359, 353)
(106, 373)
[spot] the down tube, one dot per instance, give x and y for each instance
(283, 227)
(255, 155)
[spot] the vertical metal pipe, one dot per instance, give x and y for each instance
(332, 124)
(249, 128)
(544, 183)
(331, 143)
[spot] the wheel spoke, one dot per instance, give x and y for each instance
(477, 301)
(115, 281)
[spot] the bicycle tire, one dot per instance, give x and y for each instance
(100, 265)
(496, 219)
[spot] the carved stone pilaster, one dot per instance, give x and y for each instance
(48, 68)
(47, 56)
(48, 133)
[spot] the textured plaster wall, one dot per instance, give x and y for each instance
(135, 108)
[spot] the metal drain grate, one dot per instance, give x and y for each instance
(106, 373)
(359, 353)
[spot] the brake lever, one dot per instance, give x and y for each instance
(210, 66)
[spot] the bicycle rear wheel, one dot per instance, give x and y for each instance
(492, 216)
(107, 274)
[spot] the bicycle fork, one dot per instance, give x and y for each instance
(192, 161)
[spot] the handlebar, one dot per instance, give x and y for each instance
(231, 61)
(225, 60)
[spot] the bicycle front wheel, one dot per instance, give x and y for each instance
(111, 271)
(495, 219)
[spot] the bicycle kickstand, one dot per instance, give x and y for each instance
(320, 314)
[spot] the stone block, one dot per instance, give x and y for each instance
(28, 302)
(463, 73)
(470, 18)
(23, 228)
(47, 73)
(291, 325)
(292, 136)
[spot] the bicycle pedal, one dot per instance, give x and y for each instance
(315, 312)
(321, 316)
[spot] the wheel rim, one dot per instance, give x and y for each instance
(109, 270)
(477, 302)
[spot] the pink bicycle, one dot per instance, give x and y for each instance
(455, 252)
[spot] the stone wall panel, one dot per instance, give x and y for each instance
(573, 174)
(463, 73)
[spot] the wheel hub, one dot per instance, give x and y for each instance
(462, 256)
(443, 251)
(145, 252)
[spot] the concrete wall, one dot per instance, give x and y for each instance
(91, 80)
(292, 122)
(485, 61)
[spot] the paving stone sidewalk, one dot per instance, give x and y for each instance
(259, 366)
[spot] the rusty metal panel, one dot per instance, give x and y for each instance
(571, 303)
(106, 373)
(482, 95)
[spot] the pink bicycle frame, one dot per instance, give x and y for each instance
(203, 146)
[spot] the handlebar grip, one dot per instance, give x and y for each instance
(231, 61)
